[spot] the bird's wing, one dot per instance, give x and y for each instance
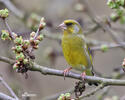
(87, 50)
(88, 56)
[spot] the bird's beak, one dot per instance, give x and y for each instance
(62, 26)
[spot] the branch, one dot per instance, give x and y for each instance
(9, 29)
(111, 45)
(104, 26)
(58, 37)
(10, 90)
(104, 93)
(6, 60)
(49, 71)
(92, 29)
(5, 97)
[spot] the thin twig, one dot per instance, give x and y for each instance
(13, 8)
(6, 60)
(9, 29)
(98, 21)
(92, 29)
(58, 37)
(10, 90)
(5, 97)
(37, 33)
(111, 45)
(92, 92)
(7, 25)
(104, 92)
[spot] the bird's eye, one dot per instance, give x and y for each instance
(68, 24)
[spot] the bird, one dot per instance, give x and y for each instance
(75, 49)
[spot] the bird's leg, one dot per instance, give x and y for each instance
(66, 71)
(83, 75)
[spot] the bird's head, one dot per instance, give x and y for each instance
(71, 27)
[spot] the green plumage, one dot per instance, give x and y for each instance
(75, 49)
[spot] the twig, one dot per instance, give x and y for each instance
(92, 92)
(104, 92)
(37, 33)
(92, 29)
(10, 90)
(111, 45)
(58, 37)
(5, 97)
(98, 21)
(13, 8)
(6, 60)
(9, 29)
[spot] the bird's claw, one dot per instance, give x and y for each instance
(83, 75)
(66, 71)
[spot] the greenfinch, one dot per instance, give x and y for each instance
(75, 49)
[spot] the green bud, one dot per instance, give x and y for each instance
(36, 42)
(5, 35)
(122, 2)
(13, 48)
(104, 48)
(14, 51)
(40, 37)
(4, 13)
(35, 17)
(25, 61)
(20, 56)
(120, 12)
(113, 16)
(115, 98)
(26, 42)
(36, 47)
(19, 48)
(32, 34)
(122, 19)
(112, 4)
(18, 62)
(79, 7)
(61, 97)
(117, 2)
(15, 66)
(42, 23)
(68, 95)
(14, 34)
(33, 21)
(18, 40)
(31, 39)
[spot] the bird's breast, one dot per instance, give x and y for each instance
(74, 52)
